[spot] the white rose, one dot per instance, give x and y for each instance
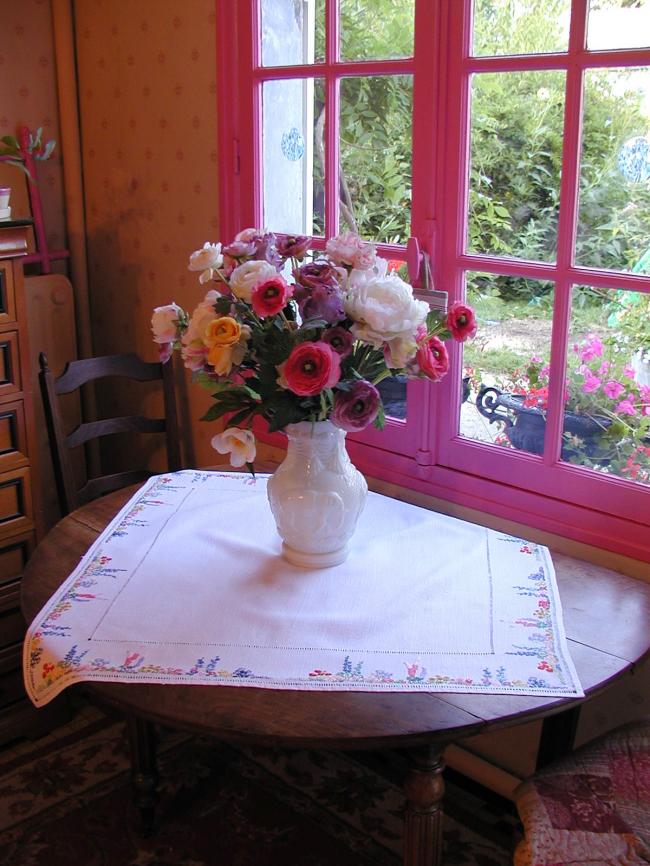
(164, 323)
(240, 444)
(206, 260)
(245, 277)
(384, 310)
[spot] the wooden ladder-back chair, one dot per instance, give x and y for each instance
(78, 373)
(141, 733)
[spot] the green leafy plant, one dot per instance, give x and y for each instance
(14, 154)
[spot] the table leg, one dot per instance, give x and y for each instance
(424, 788)
(144, 773)
(557, 737)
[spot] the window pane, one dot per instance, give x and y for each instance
(514, 316)
(516, 156)
(372, 31)
(292, 31)
(375, 135)
(520, 26)
(292, 159)
(618, 24)
(607, 416)
(614, 214)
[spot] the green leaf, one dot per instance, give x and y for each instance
(285, 408)
(216, 411)
(223, 305)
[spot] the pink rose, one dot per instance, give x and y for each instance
(293, 246)
(350, 251)
(340, 339)
(165, 323)
(309, 368)
(356, 408)
(270, 297)
(432, 359)
(320, 273)
(461, 321)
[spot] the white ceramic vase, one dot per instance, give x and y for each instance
(316, 495)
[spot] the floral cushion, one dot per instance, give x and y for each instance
(591, 808)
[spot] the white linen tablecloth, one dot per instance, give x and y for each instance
(187, 585)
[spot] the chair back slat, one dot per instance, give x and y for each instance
(88, 370)
(107, 483)
(78, 373)
(108, 426)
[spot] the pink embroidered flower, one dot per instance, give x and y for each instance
(309, 368)
(613, 389)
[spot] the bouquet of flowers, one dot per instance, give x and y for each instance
(291, 335)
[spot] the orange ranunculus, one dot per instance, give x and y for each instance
(222, 331)
(220, 357)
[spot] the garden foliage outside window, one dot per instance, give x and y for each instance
(511, 138)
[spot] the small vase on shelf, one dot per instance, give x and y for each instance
(316, 495)
(5, 210)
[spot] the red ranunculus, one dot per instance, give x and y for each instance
(270, 297)
(432, 359)
(311, 367)
(461, 321)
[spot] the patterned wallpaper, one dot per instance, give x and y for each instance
(29, 98)
(147, 95)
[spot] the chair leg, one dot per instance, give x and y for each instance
(144, 773)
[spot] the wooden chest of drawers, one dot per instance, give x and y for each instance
(19, 529)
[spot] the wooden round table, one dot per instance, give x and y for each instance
(607, 621)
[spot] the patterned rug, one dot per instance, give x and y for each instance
(66, 799)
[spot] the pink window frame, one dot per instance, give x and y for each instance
(425, 453)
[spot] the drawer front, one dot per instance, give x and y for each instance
(10, 382)
(13, 436)
(12, 622)
(11, 675)
(15, 502)
(14, 554)
(7, 295)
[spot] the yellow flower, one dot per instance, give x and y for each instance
(223, 331)
(220, 357)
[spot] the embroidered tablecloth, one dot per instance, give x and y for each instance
(187, 585)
